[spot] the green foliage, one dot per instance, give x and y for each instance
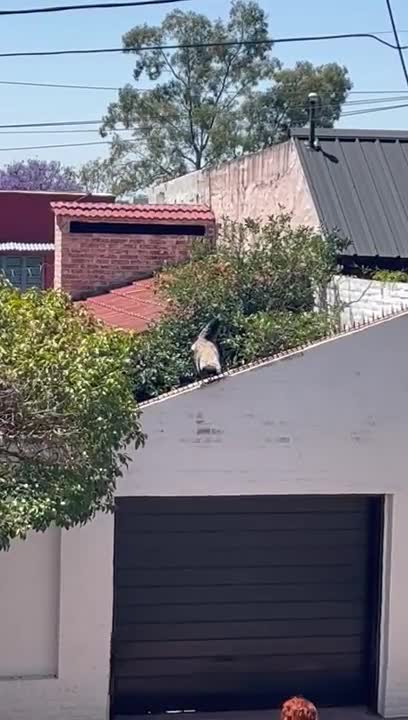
(390, 276)
(263, 334)
(190, 118)
(67, 413)
(270, 114)
(261, 282)
(211, 103)
(105, 176)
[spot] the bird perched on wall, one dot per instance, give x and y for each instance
(205, 351)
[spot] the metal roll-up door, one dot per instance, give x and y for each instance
(239, 602)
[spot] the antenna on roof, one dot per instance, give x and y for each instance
(313, 97)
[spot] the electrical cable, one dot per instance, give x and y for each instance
(192, 46)
(45, 147)
(373, 110)
(76, 123)
(396, 38)
(86, 6)
(147, 90)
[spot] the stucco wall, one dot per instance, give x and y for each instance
(79, 691)
(363, 300)
(256, 185)
(331, 419)
(29, 602)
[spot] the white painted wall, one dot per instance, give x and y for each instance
(331, 419)
(363, 300)
(29, 606)
(84, 596)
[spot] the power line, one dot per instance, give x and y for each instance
(50, 124)
(192, 46)
(55, 132)
(61, 85)
(69, 86)
(376, 92)
(45, 147)
(102, 142)
(76, 123)
(373, 110)
(86, 6)
(397, 42)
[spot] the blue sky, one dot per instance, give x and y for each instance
(372, 67)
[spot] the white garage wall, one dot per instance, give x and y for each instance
(333, 419)
(29, 605)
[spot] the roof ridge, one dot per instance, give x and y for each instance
(131, 206)
(348, 330)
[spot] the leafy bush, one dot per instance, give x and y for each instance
(261, 282)
(67, 412)
(390, 276)
(261, 334)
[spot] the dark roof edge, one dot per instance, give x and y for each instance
(262, 362)
(349, 134)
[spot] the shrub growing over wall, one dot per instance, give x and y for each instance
(261, 282)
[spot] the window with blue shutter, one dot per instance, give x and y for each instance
(22, 271)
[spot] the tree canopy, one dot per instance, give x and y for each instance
(261, 282)
(269, 114)
(213, 102)
(36, 174)
(67, 413)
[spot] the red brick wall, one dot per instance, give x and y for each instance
(87, 263)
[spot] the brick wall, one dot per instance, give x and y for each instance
(363, 300)
(88, 263)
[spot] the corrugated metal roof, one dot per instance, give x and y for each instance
(26, 247)
(359, 184)
(133, 307)
(142, 213)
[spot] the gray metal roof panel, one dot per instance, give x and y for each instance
(359, 184)
(348, 133)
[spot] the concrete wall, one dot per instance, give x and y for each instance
(256, 185)
(29, 601)
(332, 419)
(363, 300)
(66, 574)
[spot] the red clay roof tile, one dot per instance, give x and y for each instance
(136, 213)
(133, 307)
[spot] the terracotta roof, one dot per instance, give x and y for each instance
(132, 307)
(143, 213)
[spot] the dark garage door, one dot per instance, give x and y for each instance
(227, 603)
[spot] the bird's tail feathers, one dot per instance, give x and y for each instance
(209, 331)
